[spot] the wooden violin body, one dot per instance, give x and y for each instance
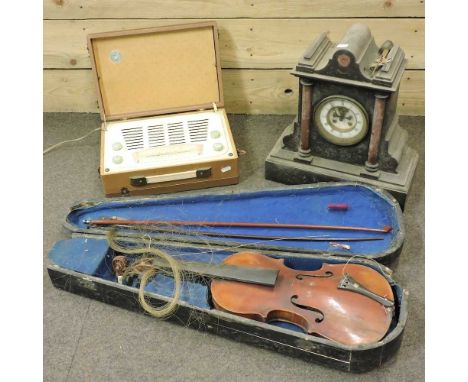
(348, 303)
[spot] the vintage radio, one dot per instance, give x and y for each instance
(160, 97)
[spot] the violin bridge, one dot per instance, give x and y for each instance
(348, 283)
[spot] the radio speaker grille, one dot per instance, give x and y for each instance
(167, 134)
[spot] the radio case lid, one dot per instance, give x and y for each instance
(155, 71)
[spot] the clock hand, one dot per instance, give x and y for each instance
(336, 112)
(339, 113)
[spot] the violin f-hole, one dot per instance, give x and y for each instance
(280, 315)
(310, 308)
(300, 276)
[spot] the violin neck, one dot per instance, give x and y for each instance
(259, 276)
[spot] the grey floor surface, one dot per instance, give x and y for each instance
(85, 340)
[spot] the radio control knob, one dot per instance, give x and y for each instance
(116, 146)
(218, 146)
(215, 134)
(117, 159)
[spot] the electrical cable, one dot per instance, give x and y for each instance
(69, 140)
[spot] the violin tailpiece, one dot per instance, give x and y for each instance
(348, 283)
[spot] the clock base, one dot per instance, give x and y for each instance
(289, 167)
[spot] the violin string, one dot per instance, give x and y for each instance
(207, 242)
(167, 309)
(200, 235)
(212, 250)
(148, 242)
(366, 258)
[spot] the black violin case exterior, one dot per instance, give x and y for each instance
(82, 264)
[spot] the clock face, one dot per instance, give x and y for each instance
(341, 120)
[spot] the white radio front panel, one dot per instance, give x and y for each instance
(165, 141)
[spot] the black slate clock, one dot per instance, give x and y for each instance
(347, 126)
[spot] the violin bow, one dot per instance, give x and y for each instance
(253, 237)
(129, 222)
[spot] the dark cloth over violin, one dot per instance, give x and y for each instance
(348, 303)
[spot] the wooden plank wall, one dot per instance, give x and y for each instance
(260, 41)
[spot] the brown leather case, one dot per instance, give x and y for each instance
(164, 71)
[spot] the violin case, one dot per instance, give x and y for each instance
(82, 264)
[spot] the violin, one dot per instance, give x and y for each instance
(348, 303)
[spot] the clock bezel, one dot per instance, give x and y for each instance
(333, 138)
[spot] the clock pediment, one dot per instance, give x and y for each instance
(356, 59)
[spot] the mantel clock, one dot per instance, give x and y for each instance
(347, 126)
